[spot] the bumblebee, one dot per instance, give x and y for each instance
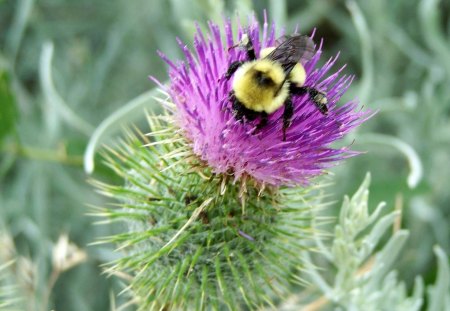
(262, 85)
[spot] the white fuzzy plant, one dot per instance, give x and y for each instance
(363, 277)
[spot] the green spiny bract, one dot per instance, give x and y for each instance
(199, 240)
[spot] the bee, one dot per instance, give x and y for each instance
(262, 85)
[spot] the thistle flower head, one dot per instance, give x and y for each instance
(196, 240)
(188, 245)
(228, 145)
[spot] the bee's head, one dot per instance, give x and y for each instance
(262, 78)
(266, 73)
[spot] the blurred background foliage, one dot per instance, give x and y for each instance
(66, 66)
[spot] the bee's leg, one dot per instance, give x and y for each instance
(287, 116)
(263, 121)
(239, 110)
(250, 49)
(319, 98)
(232, 69)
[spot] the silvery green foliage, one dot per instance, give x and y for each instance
(12, 268)
(409, 86)
(439, 294)
(7, 290)
(363, 278)
(350, 251)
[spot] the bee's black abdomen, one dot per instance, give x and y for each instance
(240, 111)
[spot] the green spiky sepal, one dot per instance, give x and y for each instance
(198, 240)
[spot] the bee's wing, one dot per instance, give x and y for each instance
(292, 50)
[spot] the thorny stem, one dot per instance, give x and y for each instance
(398, 207)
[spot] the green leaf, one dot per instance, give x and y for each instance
(8, 110)
(438, 294)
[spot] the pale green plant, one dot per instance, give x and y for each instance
(364, 276)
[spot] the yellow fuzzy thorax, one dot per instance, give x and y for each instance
(256, 97)
(297, 75)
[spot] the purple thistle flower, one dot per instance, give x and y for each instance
(203, 111)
